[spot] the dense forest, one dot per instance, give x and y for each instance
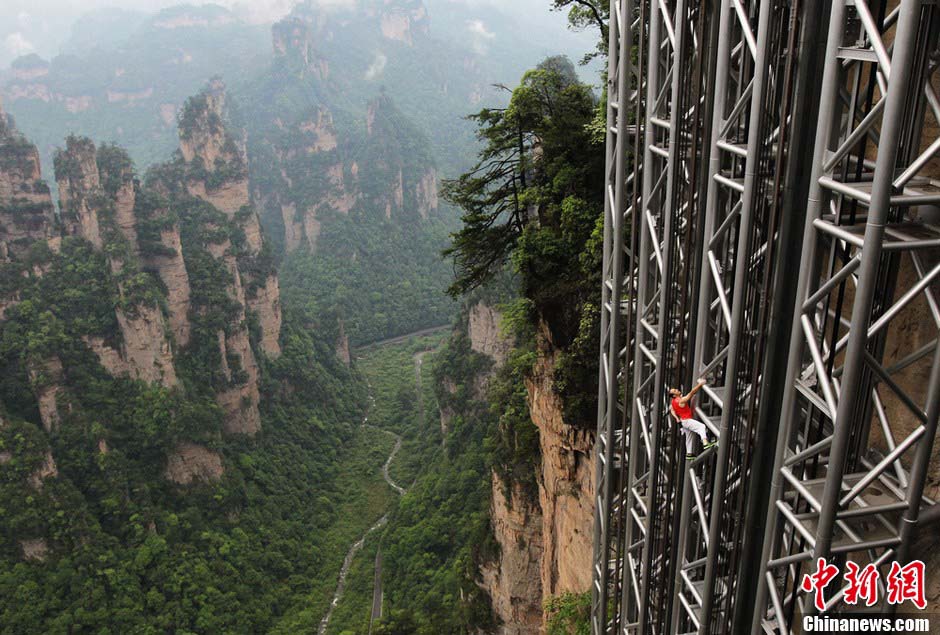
(199, 415)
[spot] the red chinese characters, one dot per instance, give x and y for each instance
(907, 583)
(817, 582)
(902, 583)
(862, 584)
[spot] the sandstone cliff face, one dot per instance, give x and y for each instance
(26, 210)
(266, 305)
(171, 267)
(566, 487)
(202, 129)
(189, 463)
(313, 136)
(98, 204)
(79, 184)
(513, 580)
(146, 351)
(34, 549)
(319, 133)
(218, 161)
(409, 179)
(402, 20)
(426, 193)
(46, 379)
(125, 198)
(46, 470)
(239, 402)
(546, 541)
(294, 44)
(485, 335)
(206, 141)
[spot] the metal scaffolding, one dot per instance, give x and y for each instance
(731, 126)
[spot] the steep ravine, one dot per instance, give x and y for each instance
(357, 546)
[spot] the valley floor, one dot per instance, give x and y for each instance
(402, 403)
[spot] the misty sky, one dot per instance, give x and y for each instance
(42, 26)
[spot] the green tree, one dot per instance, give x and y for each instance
(536, 150)
(587, 14)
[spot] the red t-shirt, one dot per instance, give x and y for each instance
(684, 412)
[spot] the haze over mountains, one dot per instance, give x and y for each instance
(221, 237)
(121, 74)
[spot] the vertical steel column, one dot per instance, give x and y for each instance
(881, 190)
(665, 563)
(833, 493)
(610, 406)
(806, 47)
(808, 272)
(744, 255)
(696, 492)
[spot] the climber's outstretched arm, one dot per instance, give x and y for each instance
(685, 398)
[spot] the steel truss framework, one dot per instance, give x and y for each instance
(734, 126)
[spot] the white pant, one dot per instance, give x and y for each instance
(691, 427)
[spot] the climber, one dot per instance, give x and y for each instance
(680, 407)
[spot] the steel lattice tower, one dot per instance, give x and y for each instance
(743, 146)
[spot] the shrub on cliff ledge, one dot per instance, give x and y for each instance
(568, 614)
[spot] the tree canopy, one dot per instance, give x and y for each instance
(536, 153)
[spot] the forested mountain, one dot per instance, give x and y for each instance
(123, 75)
(122, 79)
(161, 427)
(500, 525)
(353, 113)
(203, 238)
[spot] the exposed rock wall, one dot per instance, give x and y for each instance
(566, 487)
(205, 139)
(513, 580)
(410, 183)
(169, 264)
(294, 42)
(239, 402)
(266, 305)
(34, 549)
(342, 345)
(402, 20)
(99, 205)
(189, 463)
(146, 351)
(46, 470)
(319, 133)
(26, 210)
(485, 334)
(426, 194)
(125, 198)
(46, 379)
(545, 540)
(309, 153)
(79, 190)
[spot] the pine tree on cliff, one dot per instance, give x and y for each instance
(533, 182)
(534, 200)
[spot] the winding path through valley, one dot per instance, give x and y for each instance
(357, 546)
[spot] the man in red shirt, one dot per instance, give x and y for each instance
(680, 407)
